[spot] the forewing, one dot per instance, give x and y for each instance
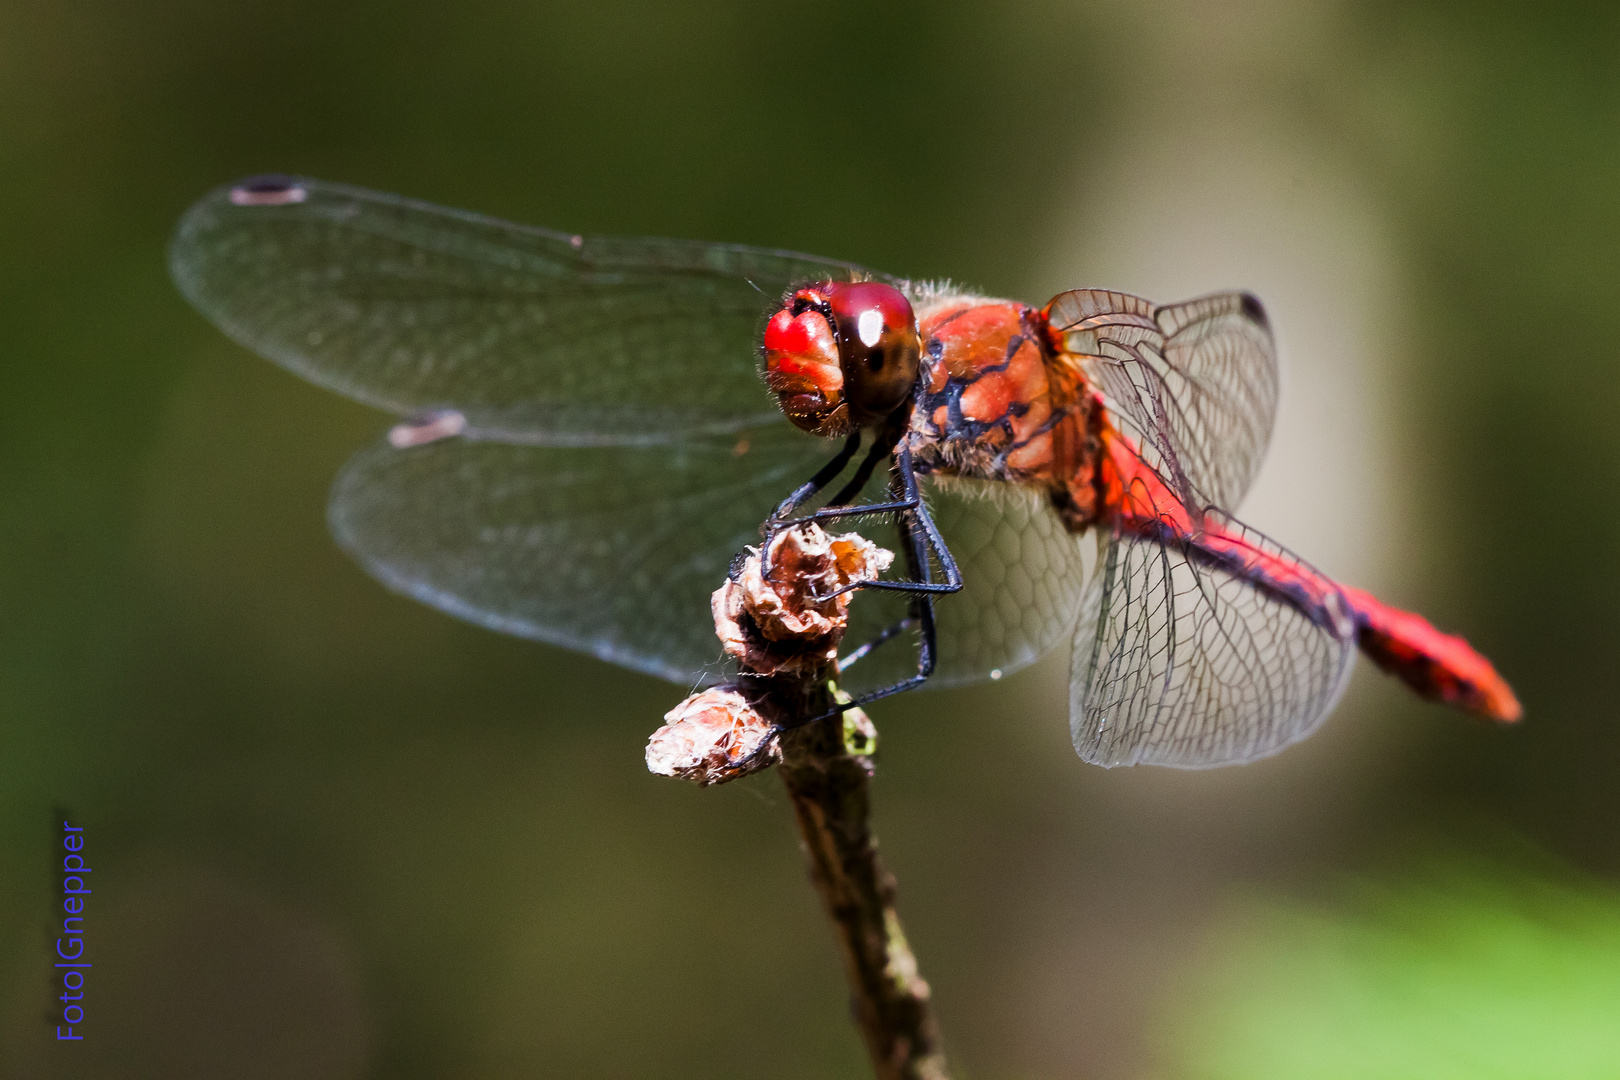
(1194, 383)
(612, 551)
(1182, 664)
(533, 335)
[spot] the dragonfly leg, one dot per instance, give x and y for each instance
(883, 446)
(838, 506)
(917, 528)
(919, 537)
(916, 539)
(922, 616)
(824, 476)
(888, 634)
(920, 542)
(880, 451)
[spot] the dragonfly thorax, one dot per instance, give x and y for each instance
(842, 355)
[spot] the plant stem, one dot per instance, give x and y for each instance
(827, 770)
(783, 630)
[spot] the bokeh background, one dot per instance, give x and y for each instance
(339, 835)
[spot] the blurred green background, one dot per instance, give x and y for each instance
(339, 835)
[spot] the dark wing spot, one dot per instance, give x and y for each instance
(1256, 313)
(268, 191)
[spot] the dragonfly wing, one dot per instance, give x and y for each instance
(1179, 663)
(533, 335)
(1195, 383)
(614, 551)
(1022, 575)
(611, 551)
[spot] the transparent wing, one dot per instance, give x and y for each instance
(1178, 662)
(611, 551)
(1194, 383)
(1022, 576)
(533, 335)
(614, 551)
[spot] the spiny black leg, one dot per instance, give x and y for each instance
(918, 534)
(923, 532)
(914, 513)
(877, 453)
(824, 476)
(917, 567)
(908, 496)
(866, 650)
(913, 540)
(922, 614)
(927, 650)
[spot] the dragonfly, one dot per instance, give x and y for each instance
(590, 428)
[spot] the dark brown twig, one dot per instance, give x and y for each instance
(827, 769)
(787, 643)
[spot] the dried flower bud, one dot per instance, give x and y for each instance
(779, 625)
(706, 737)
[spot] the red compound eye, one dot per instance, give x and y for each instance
(842, 355)
(803, 367)
(878, 346)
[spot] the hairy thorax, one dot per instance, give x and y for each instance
(998, 402)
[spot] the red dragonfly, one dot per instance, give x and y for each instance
(587, 440)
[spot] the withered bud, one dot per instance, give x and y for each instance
(779, 625)
(706, 737)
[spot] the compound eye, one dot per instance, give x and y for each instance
(878, 346)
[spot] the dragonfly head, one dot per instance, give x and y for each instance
(842, 355)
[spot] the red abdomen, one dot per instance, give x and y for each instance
(1441, 667)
